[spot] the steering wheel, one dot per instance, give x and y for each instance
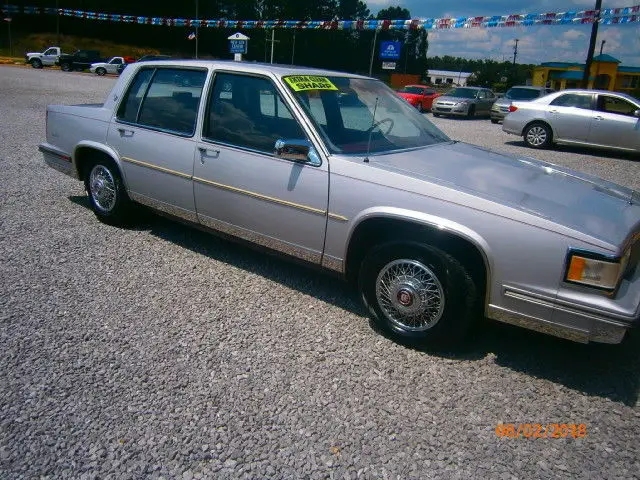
(384, 120)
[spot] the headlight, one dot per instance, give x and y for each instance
(595, 270)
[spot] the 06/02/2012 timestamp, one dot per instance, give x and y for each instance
(537, 430)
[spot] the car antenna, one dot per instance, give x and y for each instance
(373, 124)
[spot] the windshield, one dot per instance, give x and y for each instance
(356, 116)
(415, 90)
(522, 94)
(462, 93)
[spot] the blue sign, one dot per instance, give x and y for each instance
(390, 50)
(238, 46)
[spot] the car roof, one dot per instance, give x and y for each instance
(601, 92)
(256, 67)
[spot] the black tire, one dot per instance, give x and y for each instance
(101, 71)
(420, 108)
(101, 177)
(537, 135)
(436, 114)
(65, 67)
(471, 112)
(36, 63)
(448, 318)
(493, 120)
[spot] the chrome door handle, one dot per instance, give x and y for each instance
(125, 133)
(553, 111)
(598, 117)
(209, 152)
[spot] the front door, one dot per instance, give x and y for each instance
(153, 135)
(614, 123)
(241, 187)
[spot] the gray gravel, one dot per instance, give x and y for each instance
(159, 351)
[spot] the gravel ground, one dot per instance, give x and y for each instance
(159, 351)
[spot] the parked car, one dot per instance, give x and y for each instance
(593, 118)
(521, 93)
(434, 233)
(102, 68)
(464, 101)
(144, 58)
(419, 96)
(79, 60)
(48, 58)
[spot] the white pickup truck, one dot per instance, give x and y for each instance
(48, 58)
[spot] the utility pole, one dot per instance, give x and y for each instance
(273, 42)
(592, 45)
(293, 50)
(197, 1)
(373, 50)
(595, 81)
(515, 52)
(57, 24)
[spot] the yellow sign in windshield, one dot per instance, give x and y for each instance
(300, 83)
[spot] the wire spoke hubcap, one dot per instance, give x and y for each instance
(410, 295)
(102, 187)
(536, 136)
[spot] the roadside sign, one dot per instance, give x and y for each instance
(238, 43)
(390, 50)
(388, 65)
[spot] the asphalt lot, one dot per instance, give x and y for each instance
(160, 351)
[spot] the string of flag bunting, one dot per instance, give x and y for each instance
(606, 16)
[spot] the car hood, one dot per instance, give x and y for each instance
(446, 98)
(578, 201)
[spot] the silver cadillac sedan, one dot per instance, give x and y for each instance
(591, 118)
(434, 233)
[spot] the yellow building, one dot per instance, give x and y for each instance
(606, 73)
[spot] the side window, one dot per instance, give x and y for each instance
(482, 94)
(116, 61)
(573, 100)
(128, 110)
(248, 112)
(51, 51)
(617, 105)
(172, 100)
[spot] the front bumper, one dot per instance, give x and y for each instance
(445, 109)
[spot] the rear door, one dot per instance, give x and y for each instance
(153, 133)
(570, 116)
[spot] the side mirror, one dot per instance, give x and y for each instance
(636, 113)
(296, 150)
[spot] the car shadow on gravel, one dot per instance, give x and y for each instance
(593, 152)
(611, 371)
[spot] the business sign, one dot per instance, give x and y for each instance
(390, 50)
(388, 65)
(237, 46)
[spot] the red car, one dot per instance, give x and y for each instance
(419, 96)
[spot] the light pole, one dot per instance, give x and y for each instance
(592, 45)
(596, 83)
(57, 24)
(197, 1)
(373, 49)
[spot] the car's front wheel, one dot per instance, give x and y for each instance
(101, 71)
(418, 294)
(537, 135)
(494, 121)
(36, 63)
(107, 195)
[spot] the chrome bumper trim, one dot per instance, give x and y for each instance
(58, 161)
(164, 207)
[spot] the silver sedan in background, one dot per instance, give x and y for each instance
(520, 93)
(594, 118)
(464, 101)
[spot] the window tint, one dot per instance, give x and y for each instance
(248, 112)
(51, 51)
(116, 61)
(129, 107)
(617, 105)
(573, 100)
(172, 100)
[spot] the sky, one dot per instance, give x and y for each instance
(536, 44)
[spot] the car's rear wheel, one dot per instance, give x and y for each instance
(107, 195)
(418, 293)
(493, 120)
(537, 135)
(101, 71)
(65, 67)
(436, 114)
(36, 63)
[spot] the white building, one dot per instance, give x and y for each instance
(438, 77)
